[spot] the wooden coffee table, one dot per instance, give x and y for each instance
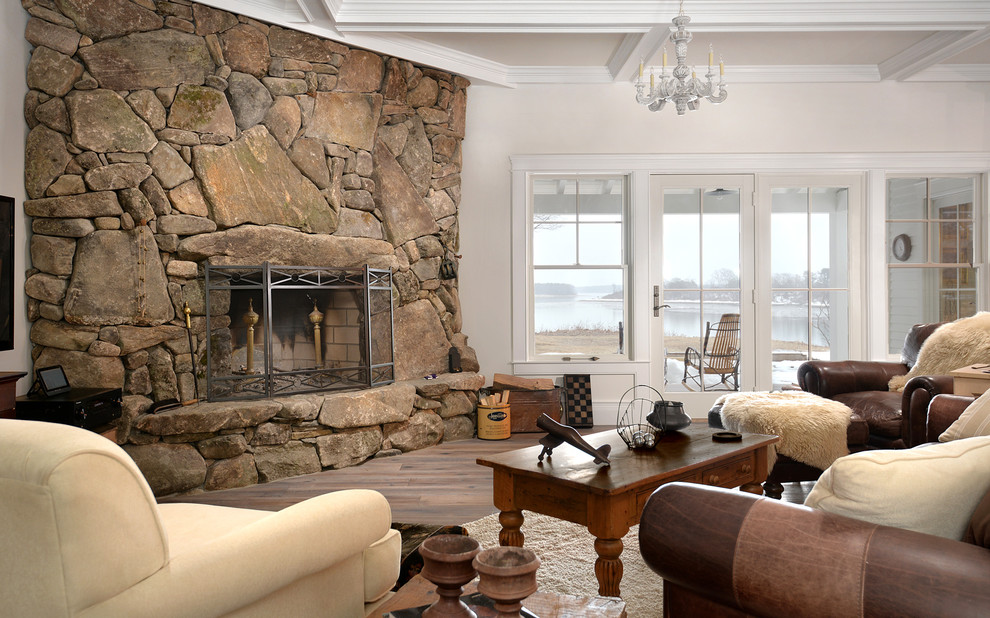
(609, 499)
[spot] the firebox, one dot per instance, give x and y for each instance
(283, 330)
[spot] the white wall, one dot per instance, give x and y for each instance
(757, 118)
(13, 132)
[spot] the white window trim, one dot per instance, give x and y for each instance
(875, 167)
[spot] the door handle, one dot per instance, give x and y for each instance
(656, 302)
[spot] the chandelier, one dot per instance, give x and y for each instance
(686, 93)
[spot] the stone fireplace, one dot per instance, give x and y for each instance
(167, 137)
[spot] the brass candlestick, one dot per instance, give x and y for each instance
(316, 317)
(250, 318)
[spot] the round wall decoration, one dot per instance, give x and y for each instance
(902, 247)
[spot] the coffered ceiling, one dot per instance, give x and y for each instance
(511, 42)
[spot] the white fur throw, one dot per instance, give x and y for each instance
(956, 344)
(812, 429)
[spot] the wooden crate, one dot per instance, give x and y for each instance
(526, 406)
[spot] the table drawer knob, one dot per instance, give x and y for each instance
(746, 468)
(713, 479)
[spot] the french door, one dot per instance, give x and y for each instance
(773, 254)
(702, 277)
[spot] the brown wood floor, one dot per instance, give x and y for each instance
(440, 485)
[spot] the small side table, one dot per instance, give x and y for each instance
(8, 392)
(973, 380)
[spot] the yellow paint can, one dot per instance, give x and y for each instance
(493, 422)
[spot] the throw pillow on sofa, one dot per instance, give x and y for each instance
(933, 488)
(974, 421)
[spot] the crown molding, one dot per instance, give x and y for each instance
(672, 163)
(802, 74)
(640, 15)
(953, 73)
(783, 74)
(559, 75)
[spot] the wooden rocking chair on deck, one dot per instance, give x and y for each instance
(719, 355)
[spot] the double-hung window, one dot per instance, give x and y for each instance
(579, 267)
(931, 252)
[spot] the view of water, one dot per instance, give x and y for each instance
(790, 322)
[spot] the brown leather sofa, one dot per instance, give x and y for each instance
(895, 419)
(721, 553)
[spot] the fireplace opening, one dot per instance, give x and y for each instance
(282, 330)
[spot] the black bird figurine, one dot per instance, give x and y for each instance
(557, 433)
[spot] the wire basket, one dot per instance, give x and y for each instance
(631, 424)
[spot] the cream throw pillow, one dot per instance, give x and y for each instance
(932, 488)
(974, 421)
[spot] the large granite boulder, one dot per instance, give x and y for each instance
(348, 118)
(405, 215)
(252, 180)
(169, 468)
(421, 344)
(118, 279)
(102, 121)
(251, 244)
(148, 60)
(45, 159)
(202, 109)
(377, 406)
(103, 19)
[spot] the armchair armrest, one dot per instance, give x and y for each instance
(942, 412)
(223, 574)
(828, 378)
(725, 550)
(918, 393)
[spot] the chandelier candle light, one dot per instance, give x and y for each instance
(685, 93)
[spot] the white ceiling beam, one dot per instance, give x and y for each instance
(929, 52)
(624, 63)
(318, 13)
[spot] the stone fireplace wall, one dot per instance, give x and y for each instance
(167, 134)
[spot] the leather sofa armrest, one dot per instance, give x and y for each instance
(829, 378)
(918, 393)
(943, 411)
(767, 558)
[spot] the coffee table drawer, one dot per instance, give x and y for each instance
(643, 496)
(730, 474)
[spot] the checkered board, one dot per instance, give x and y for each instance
(577, 400)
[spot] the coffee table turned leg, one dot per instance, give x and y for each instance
(608, 567)
(753, 488)
(510, 534)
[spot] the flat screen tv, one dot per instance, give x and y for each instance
(6, 273)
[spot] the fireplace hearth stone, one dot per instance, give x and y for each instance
(220, 445)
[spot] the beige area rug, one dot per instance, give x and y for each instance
(956, 344)
(567, 560)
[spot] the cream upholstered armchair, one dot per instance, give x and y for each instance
(82, 535)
